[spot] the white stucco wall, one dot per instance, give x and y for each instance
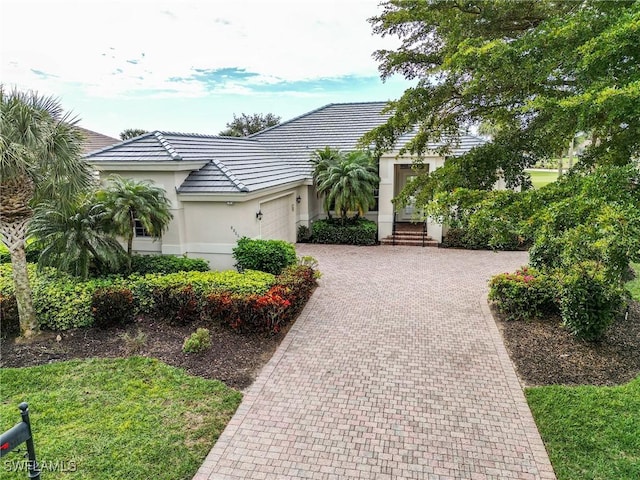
(387, 193)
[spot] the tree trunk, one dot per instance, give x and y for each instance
(28, 322)
(14, 234)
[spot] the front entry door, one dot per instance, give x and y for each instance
(404, 174)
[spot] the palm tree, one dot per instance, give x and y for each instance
(74, 237)
(129, 200)
(348, 182)
(40, 159)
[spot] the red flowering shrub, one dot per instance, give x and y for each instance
(111, 306)
(268, 312)
(524, 294)
(177, 305)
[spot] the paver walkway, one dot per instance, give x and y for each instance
(395, 369)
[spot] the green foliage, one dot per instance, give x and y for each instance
(112, 306)
(589, 302)
(537, 72)
(74, 237)
(354, 231)
(197, 342)
(129, 200)
(9, 319)
(267, 312)
(524, 295)
(590, 432)
(481, 219)
(347, 181)
(271, 256)
(633, 286)
(304, 234)
(149, 288)
(128, 133)
(63, 302)
(32, 252)
(588, 217)
(143, 264)
(246, 125)
(177, 305)
(122, 419)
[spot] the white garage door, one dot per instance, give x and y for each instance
(277, 219)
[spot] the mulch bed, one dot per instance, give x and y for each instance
(234, 358)
(545, 353)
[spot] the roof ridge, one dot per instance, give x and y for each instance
(312, 112)
(227, 173)
(123, 142)
(167, 145)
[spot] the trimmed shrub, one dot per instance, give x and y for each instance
(197, 342)
(146, 289)
(589, 303)
(355, 231)
(267, 312)
(112, 306)
(9, 318)
(177, 305)
(523, 295)
(271, 256)
(144, 264)
(304, 234)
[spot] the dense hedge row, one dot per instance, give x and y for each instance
(354, 231)
(63, 302)
(143, 264)
(249, 301)
(140, 264)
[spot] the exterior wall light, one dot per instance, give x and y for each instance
(259, 215)
(298, 199)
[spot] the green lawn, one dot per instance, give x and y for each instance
(591, 433)
(540, 178)
(126, 419)
(634, 285)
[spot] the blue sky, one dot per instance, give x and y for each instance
(188, 65)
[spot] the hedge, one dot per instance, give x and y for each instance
(63, 302)
(267, 312)
(271, 256)
(355, 231)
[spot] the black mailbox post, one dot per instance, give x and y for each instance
(19, 434)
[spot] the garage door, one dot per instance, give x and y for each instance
(277, 219)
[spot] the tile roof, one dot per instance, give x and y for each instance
(275, 156)
(94, 140)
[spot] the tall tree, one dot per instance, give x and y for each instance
(129, 200)
(39, 160)
(131, 133)
(347, 181)
(75, 237)
(245, 125)
(538, 71)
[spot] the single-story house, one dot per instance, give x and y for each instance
(224, 188)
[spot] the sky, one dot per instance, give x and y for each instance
(189, 66)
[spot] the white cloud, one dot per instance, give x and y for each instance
(122, 48)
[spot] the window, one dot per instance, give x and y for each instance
(140, 231)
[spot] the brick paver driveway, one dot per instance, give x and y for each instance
(395, 369)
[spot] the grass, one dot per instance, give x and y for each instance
(540, 178)
(634, 285)
(591, 433)
(130, 419)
